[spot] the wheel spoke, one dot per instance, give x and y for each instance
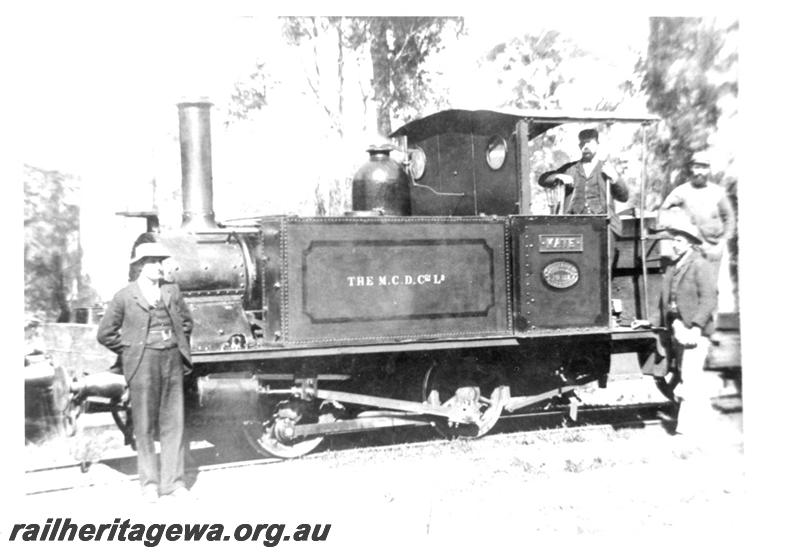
(272, 437)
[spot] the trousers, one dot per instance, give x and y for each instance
(156, 397)
(696, 415)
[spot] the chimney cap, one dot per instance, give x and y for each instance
(195, 101)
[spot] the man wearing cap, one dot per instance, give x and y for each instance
(148, 324)
(688, 298)
(708, 206)
(587, 182)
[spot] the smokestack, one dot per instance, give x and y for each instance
(196, 181)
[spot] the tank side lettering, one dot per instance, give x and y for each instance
(355, 281)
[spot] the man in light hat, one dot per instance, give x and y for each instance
(148, 324)
(587, 181)
(688, 299)
(708, 206)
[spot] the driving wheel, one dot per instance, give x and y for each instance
(274, 437)
(446, 388)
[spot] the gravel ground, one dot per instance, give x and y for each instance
(510, 490)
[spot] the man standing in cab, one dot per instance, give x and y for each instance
(688, 299)
(148, 324)
(588, 182)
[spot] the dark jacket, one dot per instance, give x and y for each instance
(595, 179)
(123, 328)
(695, 293)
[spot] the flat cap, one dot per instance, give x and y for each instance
(700, 157)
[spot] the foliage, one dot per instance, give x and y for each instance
(532, 68)
(396, 48)
(688, 72)
(52, 253)
(363, 73)
(687, 77)
(399, 48)
(691, 78)
(549, 71)
(320, 33)
(250, 94)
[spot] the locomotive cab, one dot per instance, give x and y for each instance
(465, 162)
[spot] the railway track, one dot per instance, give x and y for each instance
(551, 424)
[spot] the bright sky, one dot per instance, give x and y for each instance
(97, 86)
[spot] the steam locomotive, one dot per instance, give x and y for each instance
(438, 300)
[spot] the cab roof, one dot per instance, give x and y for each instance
(491, 121)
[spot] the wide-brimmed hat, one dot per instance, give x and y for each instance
(675, 221)
(152, 250)
(687, 229)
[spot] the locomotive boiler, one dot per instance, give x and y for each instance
(439, 300)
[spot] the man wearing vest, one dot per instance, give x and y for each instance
(587, 182)
(688, 299)
(148, 324)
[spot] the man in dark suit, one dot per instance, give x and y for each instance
(688, 300)
(588, 182)
(148, 324)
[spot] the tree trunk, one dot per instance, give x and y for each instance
(381, 77)
(60, 290)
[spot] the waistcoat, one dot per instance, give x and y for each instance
(160, 334)
(590, 194)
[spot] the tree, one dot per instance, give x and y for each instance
(249, 94)
(531, 67)
(692, 82)
(549, 71)
(396, 48)
(688, 72)
(336, 55)
(399, 48)
(52, 251)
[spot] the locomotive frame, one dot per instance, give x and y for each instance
(466, 308)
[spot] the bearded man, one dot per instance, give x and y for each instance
(587, 182)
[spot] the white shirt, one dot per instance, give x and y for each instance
(150, 290)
